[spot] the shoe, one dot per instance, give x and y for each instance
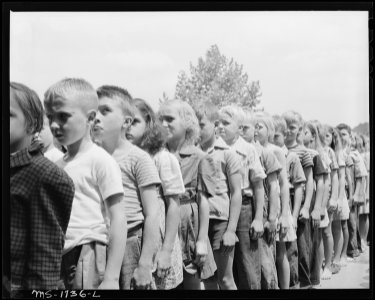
(335, 268)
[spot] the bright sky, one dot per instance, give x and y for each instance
(316, 63)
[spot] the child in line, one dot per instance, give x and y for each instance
(198, 173)
(271, 207)
(147, 133)
(71, 106)
(264, 133)
(225, 205)
(247, 256)
(312, 142)
(297, 180)
(41, 196)
(140, 180)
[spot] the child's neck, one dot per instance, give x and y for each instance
(233, 141)
(79, 146)
(123, 145)
(175, 145)
(25, 143)
(291, 144)
(112, 145)
(209, 143)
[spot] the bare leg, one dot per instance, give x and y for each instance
(345, 234)
(191, 282)
(337, 240)
(328, 249)
(283, 269)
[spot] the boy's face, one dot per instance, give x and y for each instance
(109, 121)
(247, 132)
(292, 130)
(17, 125)
(279, 138)
(227, 128)
(345, 136)
(261, 133)
(68, 122)
(135, 132)
(307, 138)
(207, 130)
(173, 123)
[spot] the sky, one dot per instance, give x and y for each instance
(316, 63)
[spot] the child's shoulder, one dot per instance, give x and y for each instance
(48, 170)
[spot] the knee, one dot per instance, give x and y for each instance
(226, 282)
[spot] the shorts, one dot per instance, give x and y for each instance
(216, 230)
(291, 234)
(325, 222)
(364, 209)
(344, 213)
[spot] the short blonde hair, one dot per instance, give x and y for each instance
(266, 119)
(280, 123)
(73, 88)
(235, 112)
(186, 112)
(291, 117)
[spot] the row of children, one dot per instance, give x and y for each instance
(139, 200)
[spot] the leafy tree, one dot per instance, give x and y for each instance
(217, 79)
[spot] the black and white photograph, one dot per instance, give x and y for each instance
(188, 150)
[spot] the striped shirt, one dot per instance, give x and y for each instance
(303, 155)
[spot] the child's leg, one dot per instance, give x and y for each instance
(352, 229)
(224, 265)
(363, 227)
(268, 265)
(292, 254)
(304, 244)
(328, 248)
(316, 255)
(283, 270)
(345, 240)
(337, 240)
(191, 282)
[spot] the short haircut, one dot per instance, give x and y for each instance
(31, 106)
(235, 112)
(249, 118)
(154, 137)
(266, 119)
(280, 123)
(115, 92)
(187, 114)
(73, 88)
(208, 110)
(291, 117)
(342, 126)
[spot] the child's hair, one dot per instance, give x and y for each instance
(321, 132)
(358, 142)
(342, 126)
(31, 106)
(315, 134)
(292, 116)
(336, 143)
(154, 137)
(279, 123)
(235, 112)
(208, 110)
(190, 120)
(266, 119)
(248, 117)
(115, 92)
(73, 87)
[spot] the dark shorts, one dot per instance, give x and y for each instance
(216, 230)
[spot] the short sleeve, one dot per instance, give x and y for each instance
(359, 167)
(271, 164)
(349, 161)
(319, 168)
(340, 159)
(256, 171)
(297, 175)
(108, 176)
(233, 164)
(170, 174)
(306, 160)
(206, 175)
(145, 170)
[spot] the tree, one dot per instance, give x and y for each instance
(219, 80)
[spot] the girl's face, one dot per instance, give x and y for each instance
(328, 139)
(173, 123)
(261, 133)
(308, 139)
(345, 136)
(291, 132)
(227, 128)
(17, 125)
(135, 132)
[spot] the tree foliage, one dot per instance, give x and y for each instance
(217, 79)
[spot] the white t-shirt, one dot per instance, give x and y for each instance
(96, 176)
(54, 154)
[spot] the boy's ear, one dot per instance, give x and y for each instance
(127, 122)
(91, 116)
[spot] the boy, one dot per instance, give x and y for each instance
(97, 218)
(41, 197)
(225, 205)
(297, 179)
(140, 180)
(293, 142)
(250, 223)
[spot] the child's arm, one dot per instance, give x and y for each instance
(143, 273)
(332, 203)
(229, 237)
(315, 214)
(257, 224)
(341, 188)
(325, 194)
(273, 196)
(204, 218)
(117, 240)
(358, 189)
(172, 221)
(309, 190)
(349, 176)
(298, 195)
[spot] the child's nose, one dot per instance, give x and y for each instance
(165, 123)
(54, 125)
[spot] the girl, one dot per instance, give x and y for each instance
(198, 173)
(320, 172)
(147, 133)
(264, 134)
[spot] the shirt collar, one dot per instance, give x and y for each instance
(188, 150)
(220, 144)
(24, 156)
(240, 146)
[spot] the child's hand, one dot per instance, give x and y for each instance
(270, 228)
(340, 205)
(315, 216)
(350, 203)
(332, 205)
(142, 278)
(109, 285)
(284, 225)
(229, 241)
(163, 261)
(295, 223)
(304, 214)
(256, 229)
(201, 252)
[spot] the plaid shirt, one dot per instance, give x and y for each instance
(41, 196)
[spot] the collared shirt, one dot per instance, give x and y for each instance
(41, 196)
(251, 168)
(226, 164)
